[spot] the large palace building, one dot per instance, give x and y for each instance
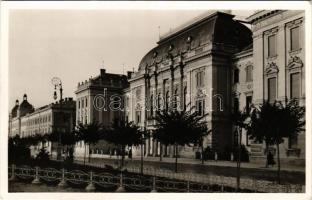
(25, 121)
(215, 64)
(218, 65)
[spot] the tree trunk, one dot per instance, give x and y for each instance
(160, 155)
(278, 165)
(122, 156)
(238, 159)
(202, 151)
(142, 158)
(176, 158)
(267, 153)
(89, 154)
(84, 157)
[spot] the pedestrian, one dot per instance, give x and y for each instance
(270, 159)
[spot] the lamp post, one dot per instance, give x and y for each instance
(58, 85)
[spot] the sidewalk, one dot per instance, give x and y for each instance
(288, 174)
(208, 163)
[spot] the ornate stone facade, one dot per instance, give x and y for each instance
(193, 66)
(43, 120)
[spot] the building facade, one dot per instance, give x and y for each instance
(218, 65)
(215, 64)
(279, 71)
(192, 67)
(26, 121)
(99, 99)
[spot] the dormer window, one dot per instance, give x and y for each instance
(189, 39)
(170, 47)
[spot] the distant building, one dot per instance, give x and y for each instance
(98, 100)
(25, 121)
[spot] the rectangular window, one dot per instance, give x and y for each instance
(200, 79)
(138, 117)
(292, 142)
(294, 39)
(272, 89)
(248, 103)
(236, 105)
(236, 75)
(272, 45)
(86, 102)
(200, 107)
(82, 103)
(295, 85)
(249, 74)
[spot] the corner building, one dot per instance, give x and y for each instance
(193, 66)
(218, 65)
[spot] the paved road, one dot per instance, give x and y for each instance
(209, 162)
(289, 174)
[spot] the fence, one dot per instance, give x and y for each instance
(152, 180)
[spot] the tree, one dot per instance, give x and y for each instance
(18, 150)
(241, 121)
(123, 133)
(90, 134)
(69, 139)
(175, 127)
(273, 122)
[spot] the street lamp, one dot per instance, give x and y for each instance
(57, 83)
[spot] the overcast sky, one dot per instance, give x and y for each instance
(73, 45)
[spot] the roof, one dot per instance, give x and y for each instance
(261, 14)
(217, 27)
(25, 108)
(14, 111)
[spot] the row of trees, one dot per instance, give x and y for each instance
(269, 123)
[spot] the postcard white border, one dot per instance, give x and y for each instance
(184, 5)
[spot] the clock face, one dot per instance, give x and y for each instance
(56, 81)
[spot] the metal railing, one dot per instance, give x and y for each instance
(152, 180)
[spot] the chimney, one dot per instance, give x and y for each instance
(103, 71)
(129, 74)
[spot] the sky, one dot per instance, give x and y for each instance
(75, 44)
